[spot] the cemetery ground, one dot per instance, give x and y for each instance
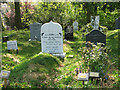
(31, 69)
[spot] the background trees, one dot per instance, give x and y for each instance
(64, 13)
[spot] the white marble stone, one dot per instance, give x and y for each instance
(52, 38)
(11, 45)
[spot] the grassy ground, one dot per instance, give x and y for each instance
(30, 69)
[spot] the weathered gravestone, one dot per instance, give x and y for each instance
(11, 45)
(95, 22)
(35, 30)
(69, 33)
(75, 25)
(52, 39)
(117, 23)
(96, 36)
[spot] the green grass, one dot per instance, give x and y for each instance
(36, 70)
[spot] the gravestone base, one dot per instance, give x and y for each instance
(61, 55)
(58, 55)
(32, 40)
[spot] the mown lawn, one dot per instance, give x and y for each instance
(30, 69)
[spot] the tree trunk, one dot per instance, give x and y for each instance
(17, 16)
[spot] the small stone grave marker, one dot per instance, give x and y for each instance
(35, 30)
(83, 76)
(75, 25)
(52, 39)
(93, 74)
(11, 45)
(69, 33)
(117, 23)
(5, 75)
(95, 22)
(96, 36)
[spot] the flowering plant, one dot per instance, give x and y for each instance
(95, 57)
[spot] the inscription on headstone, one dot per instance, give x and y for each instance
(12, 45)
(69, 33)
(75, 25)
(96, 36)
(52, 38)
(95, 22)
(35, 30)
(117, 23)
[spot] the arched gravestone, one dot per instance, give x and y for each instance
(52, 38)
(96, 36)
(75, 25)
(35, 30)
(69, 33)
(117, 23)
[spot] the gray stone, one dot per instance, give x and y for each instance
(35, 30)
(11, 45)
(75, 25)
(117, 23)
(96, 36)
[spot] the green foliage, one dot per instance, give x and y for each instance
(95, 57)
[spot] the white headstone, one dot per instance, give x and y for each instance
(12, 45)
(95, 22)
(52, 38)
(75, 25)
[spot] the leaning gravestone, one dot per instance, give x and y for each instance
(95, 22)
(35, 30)
(69, 33)
(75, 25)
(96, 36)
(52, 39)
(117, 23)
